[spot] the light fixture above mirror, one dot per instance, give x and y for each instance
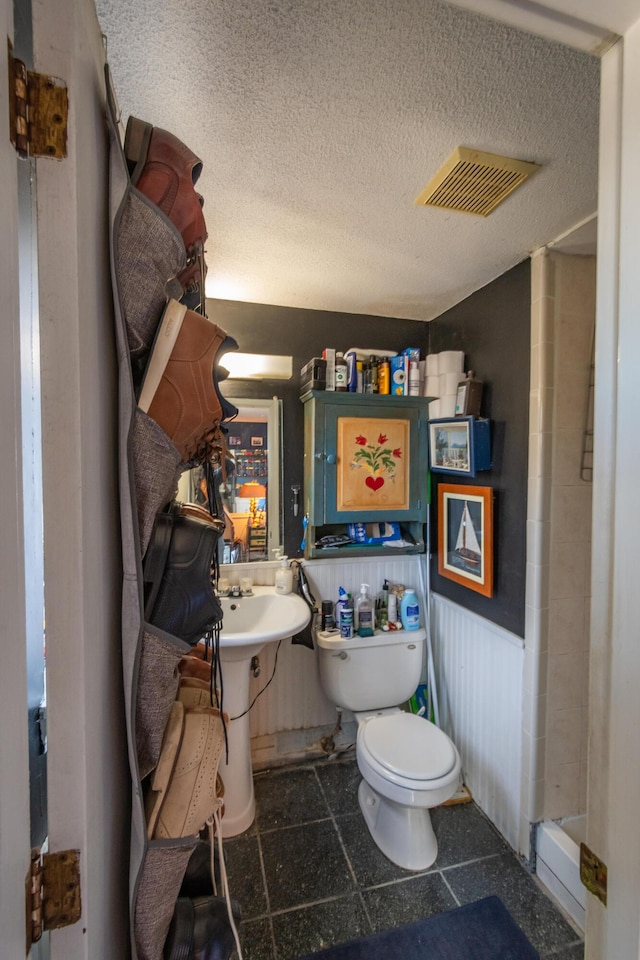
(257, 366)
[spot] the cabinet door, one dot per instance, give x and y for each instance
(374, 457)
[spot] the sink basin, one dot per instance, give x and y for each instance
(249, 624)
(262, 617)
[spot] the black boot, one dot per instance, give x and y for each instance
(197, 880)
(180, 596)
(200, 930)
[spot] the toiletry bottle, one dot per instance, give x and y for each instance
(284, 577)
(384, 377)
(373, 365)
(328, 615)
(342, 373)
(392, 609)
(382, 619)
(344, 614)
(364, 613)
(410, 610)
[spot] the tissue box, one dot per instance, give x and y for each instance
(375, 532)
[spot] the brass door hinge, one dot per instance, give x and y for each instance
(593, 873)
(38, 112)
(53, 892)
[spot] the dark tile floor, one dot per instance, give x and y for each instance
(308, 874)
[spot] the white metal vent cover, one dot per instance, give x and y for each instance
(474, 182)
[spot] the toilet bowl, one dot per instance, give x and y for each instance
(408, 765)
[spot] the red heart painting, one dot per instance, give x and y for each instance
(374, 482)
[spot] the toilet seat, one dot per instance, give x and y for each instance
(407, 750)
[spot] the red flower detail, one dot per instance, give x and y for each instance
(361, 440)
(382, 438)
(397, 452)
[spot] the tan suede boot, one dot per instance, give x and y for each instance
(184, 792)
(179, 390)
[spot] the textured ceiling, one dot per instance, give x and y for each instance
(320, 121)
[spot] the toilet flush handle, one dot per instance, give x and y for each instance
(343, 655)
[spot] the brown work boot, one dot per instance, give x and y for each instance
(195, 668)
(178, 389)
(184, 786)
(165, 171)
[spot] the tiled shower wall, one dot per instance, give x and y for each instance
(559, 540)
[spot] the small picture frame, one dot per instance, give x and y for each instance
(465, 536)
(459, 445)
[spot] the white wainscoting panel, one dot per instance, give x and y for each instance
(479, 671)
(294, 700)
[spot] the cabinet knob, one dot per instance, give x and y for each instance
(329, 457)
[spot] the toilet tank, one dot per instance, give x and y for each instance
(368, 673)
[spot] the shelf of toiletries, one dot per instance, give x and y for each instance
(394, 607)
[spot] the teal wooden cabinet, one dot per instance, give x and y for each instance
(365, 459)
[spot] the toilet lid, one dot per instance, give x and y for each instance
(409, 746)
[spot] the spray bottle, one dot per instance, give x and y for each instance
(344, 614)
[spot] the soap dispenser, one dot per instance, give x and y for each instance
(284, 577)
(364, 612)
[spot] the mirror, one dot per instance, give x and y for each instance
(250, 494)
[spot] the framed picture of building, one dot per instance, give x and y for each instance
(465, 536)
(459, 445)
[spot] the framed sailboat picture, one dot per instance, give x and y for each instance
(465, 536)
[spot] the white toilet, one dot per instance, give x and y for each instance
(407, 763)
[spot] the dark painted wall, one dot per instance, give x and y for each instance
(302, 334)
(492, 326)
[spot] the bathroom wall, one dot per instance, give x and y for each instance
(289, 719)
(492, 326)
(266, 329)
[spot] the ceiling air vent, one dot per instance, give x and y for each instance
(475, 182)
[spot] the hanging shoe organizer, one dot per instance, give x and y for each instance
(166, 694)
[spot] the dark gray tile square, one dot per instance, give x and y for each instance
(340, 780)
(304, 864)
(256, 941)
(299, 932)
(530, 908)
(287, 797)
(464, 833)
(244, 872)
(576, 952)
(370, 865)
(406, 901)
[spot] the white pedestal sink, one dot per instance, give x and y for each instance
(249, 624)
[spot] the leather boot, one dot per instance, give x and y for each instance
(178, 390)
(183, 794)
(197, 880)
(165, 171)
(178, 575)
(193, 666)
(200, 929)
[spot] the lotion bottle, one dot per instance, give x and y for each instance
(284, 577)
(410, 610)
